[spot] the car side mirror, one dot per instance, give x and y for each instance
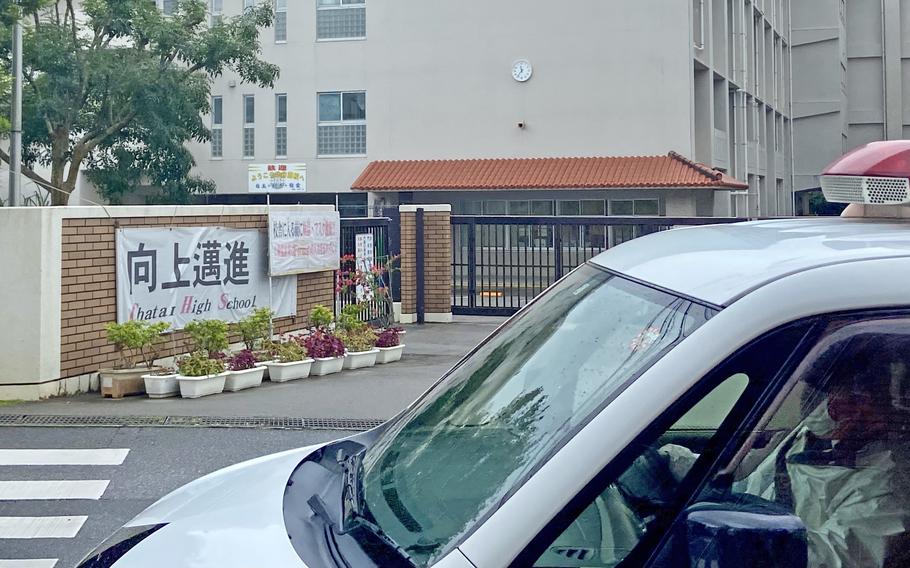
(755, 534)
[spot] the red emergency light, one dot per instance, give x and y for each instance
(875, 174)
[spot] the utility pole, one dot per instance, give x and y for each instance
(15, 139)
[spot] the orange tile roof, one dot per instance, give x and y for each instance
(670, 171)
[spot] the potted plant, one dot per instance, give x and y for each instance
(255, 329)
(321, 317)
(292, 363)
(327, 352)
(360, 345)
(200, 375)
(209, 336)
(137, 343)
(161, 383)
(389, 345)
(243, 372)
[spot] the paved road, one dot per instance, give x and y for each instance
(123, 471)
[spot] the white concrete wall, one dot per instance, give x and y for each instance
(610, 78)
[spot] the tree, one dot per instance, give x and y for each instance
(120, 88)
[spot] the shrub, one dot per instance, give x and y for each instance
(136, 340)
(242, 361)
(210, 336)
(358, 340)
(321, 317)
(255, 328)
(198, 364)
(323, 345)
(389, 338)
(349, 320)
(290, 352)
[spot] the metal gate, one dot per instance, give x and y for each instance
(380, 228)
(499, 264)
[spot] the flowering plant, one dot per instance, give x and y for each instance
(359, 340)
(373, 282)
(323, 345)
(242, 361)
(389, 338)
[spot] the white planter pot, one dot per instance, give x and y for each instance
(284, 372)
(246, 379)
(389, 354)
(327, 366)
(161, 386)
(195, 387)
(360, 359)
(264, 365)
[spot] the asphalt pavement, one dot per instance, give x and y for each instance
(154, 461)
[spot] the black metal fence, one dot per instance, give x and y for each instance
(499, 264)
(381, 229)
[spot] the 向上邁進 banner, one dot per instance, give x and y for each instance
(178, 275)
(304, 241)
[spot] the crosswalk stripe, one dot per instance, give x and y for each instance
(41, 527)
(31, 563)
(63, 457)
(33, 490)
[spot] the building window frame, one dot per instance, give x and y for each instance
(217, 143)
(281, 125)
(281, 21)
(216, 12)
(324, 7)
(249, 127)
(330, 122)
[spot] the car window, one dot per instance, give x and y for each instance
(459, 453)
(832, 451)
(637, 501)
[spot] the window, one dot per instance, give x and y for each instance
(698, 21)
(281, 21)
(281, 126)
(247, 4)
(249, 126)
(831, 451)
(512, 403)
(494, 207)
(217, 124)
(168, 6)
(632, 208)
(342, 129)
(341, 19)
(217, 11)
(631, 504)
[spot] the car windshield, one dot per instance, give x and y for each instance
(454, 457)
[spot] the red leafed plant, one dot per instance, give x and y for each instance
(242, 361)
(323, 345)
(389, 338)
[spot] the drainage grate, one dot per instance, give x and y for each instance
(277, 423)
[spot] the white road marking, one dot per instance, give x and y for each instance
(41, 527)
(63, 457)
(32, 490)
(35, 563)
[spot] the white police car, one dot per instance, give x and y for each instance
(726, 396)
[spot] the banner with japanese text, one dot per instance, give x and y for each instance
(178, 275)
(304, 241)
(277, 178)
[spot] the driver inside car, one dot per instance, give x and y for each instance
(845, 471)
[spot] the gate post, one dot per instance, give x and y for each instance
(435, 291)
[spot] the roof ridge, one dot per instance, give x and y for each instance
(709, 172)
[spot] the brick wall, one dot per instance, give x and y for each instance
(89, 288)
(437, 262)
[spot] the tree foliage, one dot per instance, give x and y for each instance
(119, 88)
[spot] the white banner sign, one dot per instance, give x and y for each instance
(277, 178)
(183, 274)
(365, 258)
(304, 241)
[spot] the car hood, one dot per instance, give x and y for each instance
(230, 518)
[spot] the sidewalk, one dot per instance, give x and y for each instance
(379, 392)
